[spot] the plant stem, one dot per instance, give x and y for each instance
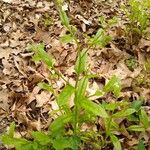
(76, 108)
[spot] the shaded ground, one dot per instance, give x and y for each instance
(23, 22)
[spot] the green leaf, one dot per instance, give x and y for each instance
(113, 21)
(64, 18)
(141, 145)
(58, 124)
(115, 125)
(40, 54)
(96, 39)
(124, 113)
(65, 94)
(115, 142)
(147, 65)
(41, 138)
(113, 85)
(99, 93)
(67, 38)
(62, 143)
(11, 129)
(136, 128)
(81, 63)
(102, 21)
(100, 39)
(144, 119)
(105, 40)
(45, 86)
(115, 105)
(93, 108)
(133, 118)
(36, 58)
(98, 34)
(6, 139)
(136, 105)
(81, 88)
(111, 106)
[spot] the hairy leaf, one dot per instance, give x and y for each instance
(40, 54)
(41, 138)
(11, 129)
(113, 85)
(17, 142)
(64, 18)
(136, 128)
(81, 88)
(94, 108)
(62, 143)
(136, 105)
(144, 119)
(124, 113)
(67, 38)
(58, 124)
(45, 86)
(141, 145)
(65, 94)
(81, 63)
(115, 142)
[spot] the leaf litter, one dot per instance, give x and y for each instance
(22, 100)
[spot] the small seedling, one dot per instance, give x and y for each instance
(147, 65)
(131, 63)
(107, 23)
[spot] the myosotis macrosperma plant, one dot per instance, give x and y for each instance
(84, 110)
(138, 14)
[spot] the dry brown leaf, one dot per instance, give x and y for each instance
(4, 99)
(42, 98)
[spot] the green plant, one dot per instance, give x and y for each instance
(131, 63)
(107, 23)
(47, 20)
(140, 117)
(139, 17)
(147, 65)
(65, 131)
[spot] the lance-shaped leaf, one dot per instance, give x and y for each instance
(141, 145)
(111, 106)
(136, 105)
(12, 129)
(58, 124)
(81, 63)
(65, 94)
(113, 85)
(115, 142)
(100, 39)
(93, 108)
(97, 37)
(17, 142)
(62, 143)
(138, 128)
(67, 38)
(144, 119)
(45, 86)
(124, 113)
(41, 138)
(81, 88)
(40, 54)
(64, 18)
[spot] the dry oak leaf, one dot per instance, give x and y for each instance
(42, 98)
(4, 95)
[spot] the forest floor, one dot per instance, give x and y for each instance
(24, 22)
